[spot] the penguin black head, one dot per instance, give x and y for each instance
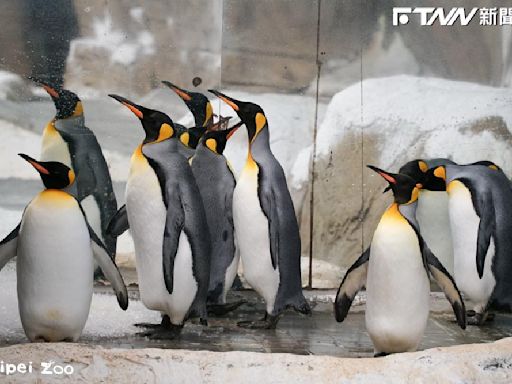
(196, 102)
(435, 179)
(405, 189)
(251, 114)
(55, 175)
(67, 103)
(216, 140)
(157, 125)
(415, 169)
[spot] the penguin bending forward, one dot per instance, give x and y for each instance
(480, 209)
(395, 272)
(66, 139)
(168, 224)
(216, 183)
(55, 245)
(265, 223)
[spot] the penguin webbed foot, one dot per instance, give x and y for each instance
(268, 322)
(166, 322)
(169, 332)
(223, 309)
(476, 318)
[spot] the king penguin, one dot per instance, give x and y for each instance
(395, 271)
(265, 223)
(66, 139)
(216, 183)
(168, 224)
(480, 209)
(432, 211)
(55, 246)
(201, 109)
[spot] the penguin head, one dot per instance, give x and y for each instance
(55, 175)
(415, 169)
(157, 125)
(215, 140)
(67, 103)
(182, 134)
(435, 179)
(196, 102)
(405, 189)
(251, 114)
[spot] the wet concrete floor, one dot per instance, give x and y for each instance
(318, 334)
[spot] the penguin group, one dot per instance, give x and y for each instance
(448, 221)
(190, 219)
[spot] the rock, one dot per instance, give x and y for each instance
(482, 363)
(400, 118)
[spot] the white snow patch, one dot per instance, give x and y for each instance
(400, 108)
(8, 80)
(300, 172)
(123, 49)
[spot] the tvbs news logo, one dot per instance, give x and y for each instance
(428, 15)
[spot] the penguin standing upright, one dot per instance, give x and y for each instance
(395, 271)
(432, 212)
(55, 246)
(168, 224)
(265, 223)
(66, 139)
(480, 209)
(216, 183)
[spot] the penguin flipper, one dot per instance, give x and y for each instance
(486, 228)
(9, 246)
(354, 280)
(174, 224)
(447, 284)
(269, 207)
(109, 269)
(118, 223)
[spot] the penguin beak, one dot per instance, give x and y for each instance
(136, 109)
(228, 100)
(180, 92)
(39, 168)
(387, 176)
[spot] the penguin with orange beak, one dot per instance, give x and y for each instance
(168, 224)
(66, 139)
(56, 249)
(397, 305)
(265, 223)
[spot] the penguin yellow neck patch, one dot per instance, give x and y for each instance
(185, 138)
(166, 132)
(55, 196)
(393, 214)
(456, 186)
(212, 145)
(209, 114)
(79, 110)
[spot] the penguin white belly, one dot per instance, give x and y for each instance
(93, 214)
(54, 148)
(147, 215)
(230, 275)
(434, 221)
(464, 225)
(398, 289)
(251, 230)
(54, 268)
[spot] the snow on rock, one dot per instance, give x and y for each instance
(472, 363)
(12, 86)
(400, 118)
